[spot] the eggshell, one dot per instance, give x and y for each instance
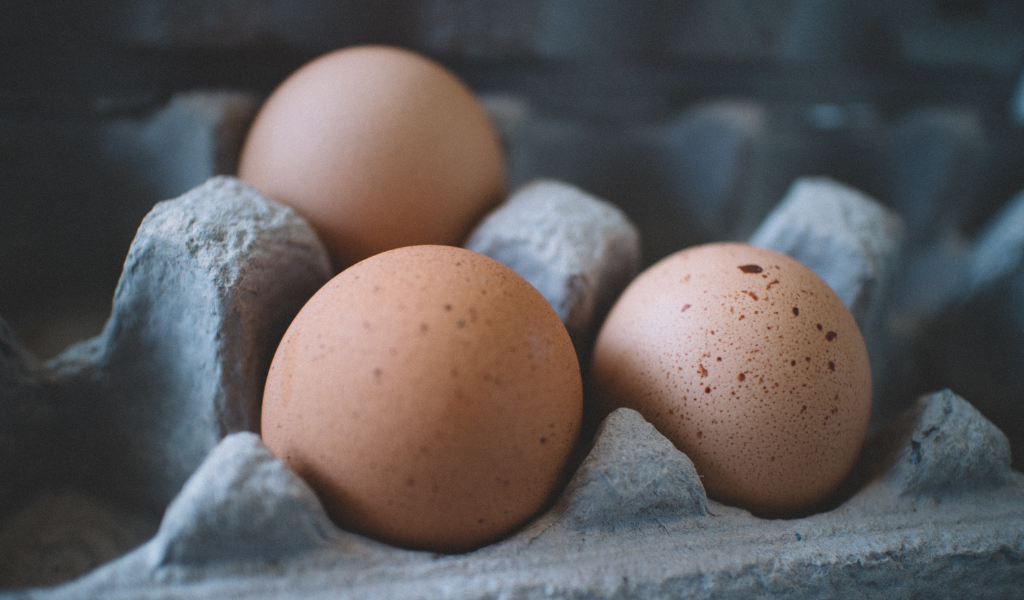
(378, 148)
(750, 364)
(429, 394)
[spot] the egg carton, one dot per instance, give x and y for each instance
(166, 492)
(708, 171)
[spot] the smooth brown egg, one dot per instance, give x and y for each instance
(430, 395)
(378, 148)
(750, 364)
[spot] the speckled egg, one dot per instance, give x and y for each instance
(750, 364)
(430, 395)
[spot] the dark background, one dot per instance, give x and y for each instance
(694, 116)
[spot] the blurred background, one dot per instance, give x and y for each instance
(694, 116)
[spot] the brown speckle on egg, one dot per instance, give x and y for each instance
(426, 441)
(775, 447)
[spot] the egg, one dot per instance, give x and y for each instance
(377, 147)
(429, 395)
(750, 364)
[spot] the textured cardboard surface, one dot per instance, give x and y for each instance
(632, 523)
(932, 509)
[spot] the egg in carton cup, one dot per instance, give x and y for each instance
(245, 523)
(215, 277)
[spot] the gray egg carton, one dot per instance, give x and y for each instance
(168, 493)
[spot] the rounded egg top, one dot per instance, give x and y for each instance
(749, 363)
(429, 394)
(377, 147)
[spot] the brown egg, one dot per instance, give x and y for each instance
(378, 148)
(429, 394)
(750, 364)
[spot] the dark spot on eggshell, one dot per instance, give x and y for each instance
(378, 375)
(820, 327)
(830, 336)
(448, 308)
(743, 459)
(686, 307)
(460, 323)
(831, 366)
